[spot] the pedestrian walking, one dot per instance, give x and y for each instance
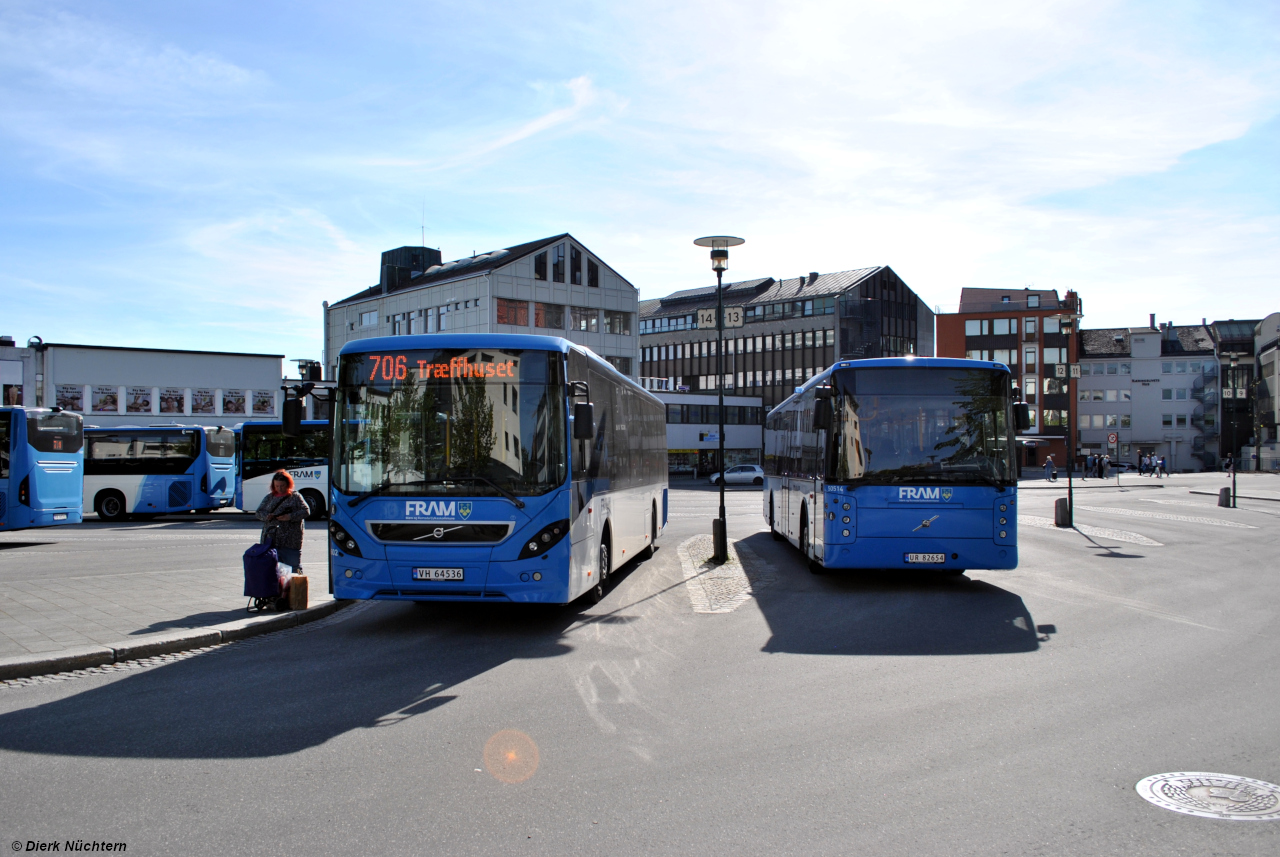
(282, 512)
(1050, 470)
(1088, 465)
(1231, 464)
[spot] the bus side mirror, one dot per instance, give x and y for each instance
(1022, 416)
(291, 418)
(822, 414)
(584, 421)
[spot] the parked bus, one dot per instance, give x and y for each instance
(264, 448)
(154, 470)
(897, 463)
(41, 468)
(490, 466)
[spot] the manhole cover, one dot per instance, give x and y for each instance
(1213, 796)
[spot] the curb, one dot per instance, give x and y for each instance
(1238, 496)
(82, 657)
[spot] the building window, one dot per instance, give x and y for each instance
(1051, 325)
(1113, 421)
(1166, 368)
(585, 319)
(1124, 368)
(972, 327)
(622, 364)
(1030, 356)
(1000, 326)
(1166, 420)
(1055, 385)
(1180, 368)
(1181, 420)
(1181, 394)
(1029, 326)
(550, 316)
(593, 274)
(540, 266)
(1082, 395)
(575, 265)
(1111, 395)
(1097, 395)
(1054, 417)
(369, 319)
(513, 312)
(831, 337)
(808, 338)
(1126, 421)
(1029, 390)
(1097, 421)
(1033, 301)
(557, 263)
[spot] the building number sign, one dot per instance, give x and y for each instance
(733, 316)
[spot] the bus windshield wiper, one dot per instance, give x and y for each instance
(386, 484)
(495, 486)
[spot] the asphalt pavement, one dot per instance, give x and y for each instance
(998, 712)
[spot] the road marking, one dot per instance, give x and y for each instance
(1085, 529)
(1064, 590)
(1161, 516)
(1195, 505)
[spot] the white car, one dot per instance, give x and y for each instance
(743, 474)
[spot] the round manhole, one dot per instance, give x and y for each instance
(1213, 795)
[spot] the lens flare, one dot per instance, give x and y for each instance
(511, 756)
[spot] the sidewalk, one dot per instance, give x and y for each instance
(94, 594)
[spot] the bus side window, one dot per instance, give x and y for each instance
(4, 445)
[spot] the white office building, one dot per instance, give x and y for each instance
(551, 287)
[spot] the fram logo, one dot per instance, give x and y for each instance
(924, 494)
(433, 509)
(306, 475)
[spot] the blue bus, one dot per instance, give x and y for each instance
(490, 467)
(897, 463)
(41, 467)
(155, 470)
(263, 448)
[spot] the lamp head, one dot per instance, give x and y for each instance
(719, 259)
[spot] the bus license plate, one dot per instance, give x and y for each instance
(437, 574)
(931, 558)
(59, 516)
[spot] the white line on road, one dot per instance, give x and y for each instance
(1163, 517)
(1085, 529)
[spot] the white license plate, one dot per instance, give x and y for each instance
(930, 558)
(59, 516)
(437, 574)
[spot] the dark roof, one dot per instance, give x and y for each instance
(1236, 331)
(765, 290)
(160, 350)
(993, 300)
(1193, 338)
(1103, 342)
(467, 266)
(646, 307)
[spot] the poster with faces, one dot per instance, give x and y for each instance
(71, 397)
(202, 401)
(106, 400)
(138, 400)
(233, 401)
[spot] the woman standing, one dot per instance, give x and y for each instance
(282, 513)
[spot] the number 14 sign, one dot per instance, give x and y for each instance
(733, 316)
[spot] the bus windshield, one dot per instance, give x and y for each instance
(220, 442)
(439, 421)
(49, 431)
(921, 424)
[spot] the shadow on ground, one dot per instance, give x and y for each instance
(388, 663)
(887, 612)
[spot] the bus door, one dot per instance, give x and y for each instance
(7, 497)
(584, 517)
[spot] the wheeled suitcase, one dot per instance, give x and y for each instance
(260, 581)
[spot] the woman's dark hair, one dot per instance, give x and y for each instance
(283, 476)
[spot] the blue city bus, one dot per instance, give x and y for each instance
(490, 467)
(897, 463)
(41, 468)
(263, 448)
(155, 470)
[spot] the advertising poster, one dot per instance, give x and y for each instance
(106, 400)
(138, 400)
(202, 401)
(233, 401)
(264, 403)
(172, 400)
(71, 397)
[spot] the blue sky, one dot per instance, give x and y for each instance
(204, 174)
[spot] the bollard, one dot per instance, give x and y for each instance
(1062, 512)
(720, 542)
(1224, 497)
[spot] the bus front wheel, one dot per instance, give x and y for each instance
(814, 565)
(598, 589)
(110, 506)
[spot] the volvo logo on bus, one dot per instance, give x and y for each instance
(925, 494)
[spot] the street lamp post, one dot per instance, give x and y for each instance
(1066, 322)
(1235, 455)
(720, 245)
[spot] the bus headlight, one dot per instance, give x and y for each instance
(545, 539)
(1003, 522)
(1003, 534)
(845, 519)
(343, 540)
(844, 533)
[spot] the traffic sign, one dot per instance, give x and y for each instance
(1113, 438)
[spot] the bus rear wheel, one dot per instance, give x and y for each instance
(315, 502)
(653, 534)
(110, 506)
